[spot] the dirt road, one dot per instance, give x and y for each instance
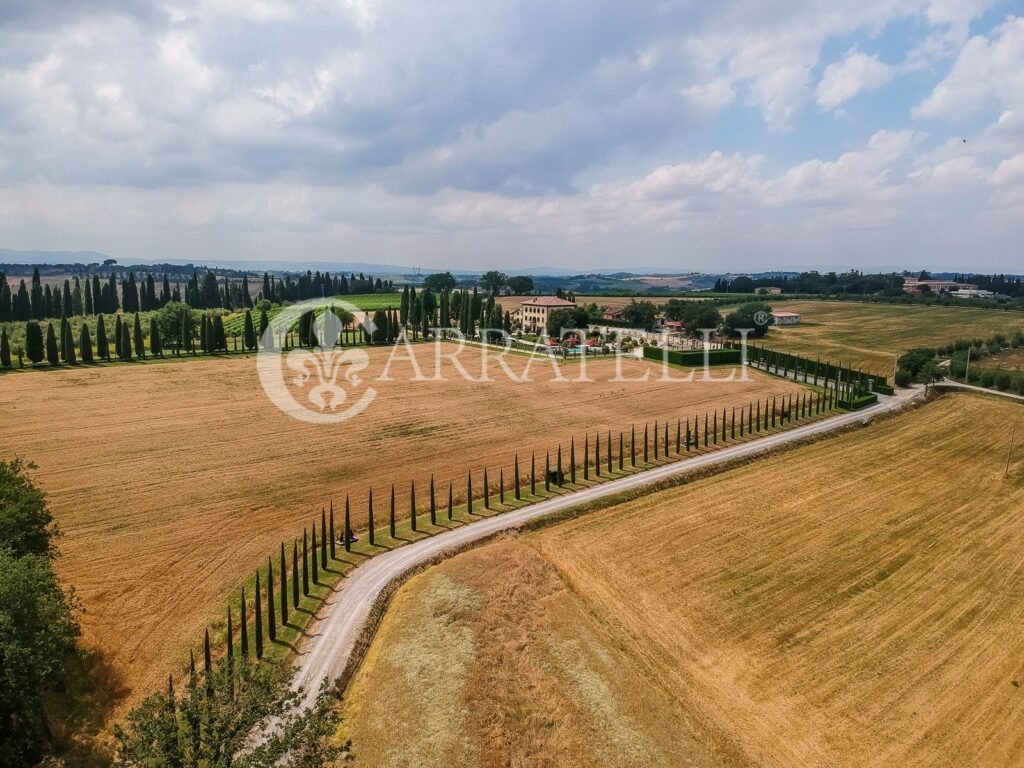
(333, 638)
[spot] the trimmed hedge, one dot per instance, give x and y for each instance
(884, 389)
(695, 357)
(856, 403)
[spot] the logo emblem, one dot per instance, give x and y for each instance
(319, 382)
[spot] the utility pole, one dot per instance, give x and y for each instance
(967, 369)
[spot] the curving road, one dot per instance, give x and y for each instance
(333, 638)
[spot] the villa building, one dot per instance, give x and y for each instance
(534, 312)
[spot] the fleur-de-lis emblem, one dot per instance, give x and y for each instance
(321, 368)
(317, 385)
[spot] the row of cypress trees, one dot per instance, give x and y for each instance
(125, 341)
(278, 594)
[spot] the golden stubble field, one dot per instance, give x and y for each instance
(173, 481)
(869, 336)
(857, 602)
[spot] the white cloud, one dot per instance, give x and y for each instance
(988, 71)
(857, 73)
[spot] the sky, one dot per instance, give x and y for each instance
(737, 135)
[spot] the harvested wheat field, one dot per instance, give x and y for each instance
(869, 336)
(172, 482)
(856, 602)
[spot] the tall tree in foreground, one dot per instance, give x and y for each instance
(258, 629)
(140, 345)
(37, 625)
(271, 608)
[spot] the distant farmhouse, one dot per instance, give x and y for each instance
(534, 312)
(769, 290)
(915, 286)
(782, 317)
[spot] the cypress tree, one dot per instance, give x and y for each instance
(450, 500)
(249, 333)
(369, 514)
(533, 473)
(621, 452)
(687, 434)
(487, 491)
(664, 437)
(547, 471)
(243, 616)
(433, 503)
(572, 458)
(515, 478)
(559, 476)
(271, 618)
(334, 553)
(655, 439)
(102, 345)
(391, 514)
(154, 338)
(773, 412)
(501, 486)
(5, 349)
(258, 629)
(316, 569)
(52, 354)
(295, 574)
(117, 336)
(412, 504)
(705, 429)
(140, 347)
(126, 342)
(323, 539)
(597, 453)
(632, 445)
(305, 562)
(231, 638)
(348, 526)
(714, 426)
(469, 492)
(678, 435)
(207, 658)
(34, 347)
(284, 587)
(609, 451)
(645, 442)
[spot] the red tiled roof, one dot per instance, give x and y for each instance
(548, 301)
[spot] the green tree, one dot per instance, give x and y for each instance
(755, 316)
(126, 342)
(212, 722)
(520, 284)
(640, 314)
(440, 281)
(565, 318)
(155, 345)
(493, 281)
(5, 349)
(102, 345)
(35, 349)
(52, 351)
(140, 342)
(37, 625)
(85, 344)
(249, 334)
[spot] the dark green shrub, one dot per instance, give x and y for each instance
(973, 375)
(957, 368)
(1003, 380)
(987, 378)
(903, 377)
